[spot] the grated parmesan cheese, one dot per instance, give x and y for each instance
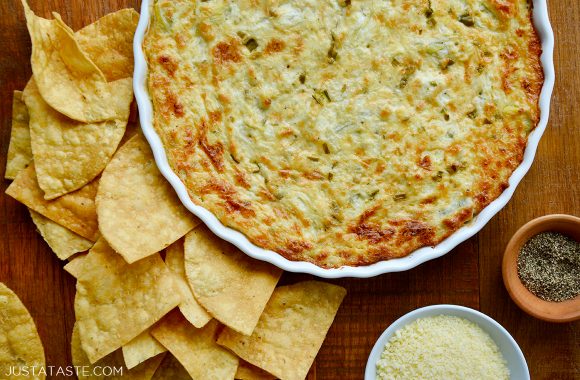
(441, 347)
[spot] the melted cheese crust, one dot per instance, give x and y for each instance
(344, 132)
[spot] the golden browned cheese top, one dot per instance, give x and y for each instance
(344, 132)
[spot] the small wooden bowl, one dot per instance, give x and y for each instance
(565, 311)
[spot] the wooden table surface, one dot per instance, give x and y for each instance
(470, 275)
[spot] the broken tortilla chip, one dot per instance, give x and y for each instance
(67, 154)
(63, 242)
(290, 331)
(231, 286)
(189, 307)
(110, 367)
(171, 369)
(75, 211)
(108, 42)
(116, 301)
(141, 348)
(19, 150)
(139, 212)
(20, 344)
(195, 348)
(68, 80)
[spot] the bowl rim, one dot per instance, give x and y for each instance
(555, 312)
(444, 309)
(542, 24)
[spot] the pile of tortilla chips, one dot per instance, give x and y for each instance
(158, 295)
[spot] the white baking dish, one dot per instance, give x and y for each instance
(542, 24)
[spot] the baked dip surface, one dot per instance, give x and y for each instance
(344, 132)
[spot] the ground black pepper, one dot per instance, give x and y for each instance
(549, 266)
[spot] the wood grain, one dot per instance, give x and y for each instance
(470, 275)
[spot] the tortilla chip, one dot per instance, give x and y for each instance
(195, 348)
(20, 344)
(75, 211)
(143, 347)
(68, 80)
(189, 307)
(63, 242)
(231, 286)
(139, 212)
(113, 362)
(19, 150)
(74, 266)
(130, 132)
(67, 154)
(116, 301)
(246, 371)
(76, 255)
(291, 330)
(171, 369)
(108, 42)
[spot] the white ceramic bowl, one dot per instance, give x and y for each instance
(544, 29)
(510, 350)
